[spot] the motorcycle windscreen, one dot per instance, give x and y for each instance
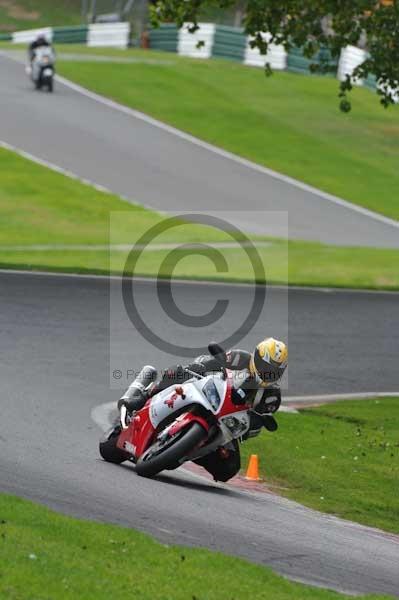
(212, 395)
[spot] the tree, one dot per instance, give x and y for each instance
(312, 25)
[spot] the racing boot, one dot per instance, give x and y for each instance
(269, 422)
(137, 393)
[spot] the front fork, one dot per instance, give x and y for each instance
(124, 417)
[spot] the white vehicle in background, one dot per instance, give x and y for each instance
(43, 68)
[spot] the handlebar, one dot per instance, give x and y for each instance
(199, 376)
(123, 417)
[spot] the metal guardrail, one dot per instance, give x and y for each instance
(209, 40)
(70, 35)
(232, 43)
(111, 35)
(298, 63)
(116, 35)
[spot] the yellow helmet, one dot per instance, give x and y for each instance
(269, 360)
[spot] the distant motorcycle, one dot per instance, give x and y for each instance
(181, 423)
(43, 68)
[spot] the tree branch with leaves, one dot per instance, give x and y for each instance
(312, 25)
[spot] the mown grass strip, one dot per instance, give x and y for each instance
(40, 206)
(308, 265)
(340, 458)
(30, 14)
(44, 555)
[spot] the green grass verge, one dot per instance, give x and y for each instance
(45, 555)
(39, 206)
(349, 269)
(340, 458)
(29, 14)
(288, 122)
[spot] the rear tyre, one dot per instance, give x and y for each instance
(108, 448)
(168, 456)
(50, 86)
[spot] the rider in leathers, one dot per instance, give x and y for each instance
(255, 384)
(39, 42)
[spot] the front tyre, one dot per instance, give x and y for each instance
(168, 455)
(108, 448)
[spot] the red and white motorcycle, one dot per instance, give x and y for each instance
(179, 424)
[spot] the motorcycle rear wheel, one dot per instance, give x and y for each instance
(109, 450)
(150, 464)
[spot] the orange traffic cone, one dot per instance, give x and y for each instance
(253, 468)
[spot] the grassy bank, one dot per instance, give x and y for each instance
(330, 267)
(45, 555)
(288, 122)
(39, 206)
(340, 458)
(29, 14)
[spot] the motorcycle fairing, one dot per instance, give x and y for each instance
(233, 419)
(137, 437)
(167, 402)
(44, 59)
(184, 420)
(234, 425)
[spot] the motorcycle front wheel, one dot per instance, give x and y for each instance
(168, 454)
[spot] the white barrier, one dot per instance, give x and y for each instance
(28, 36)
(187, 42)
(393, 91)
(112, 35)
(350, 58)
(117, 35)
(276, 55)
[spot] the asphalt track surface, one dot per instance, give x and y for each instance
(54, 368)
(155, 167)
(62, 338)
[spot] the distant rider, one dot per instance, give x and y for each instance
(256, 380)
(38, 42)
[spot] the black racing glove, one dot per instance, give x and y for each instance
(198, 368)
(270, 402)
(172, 376)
